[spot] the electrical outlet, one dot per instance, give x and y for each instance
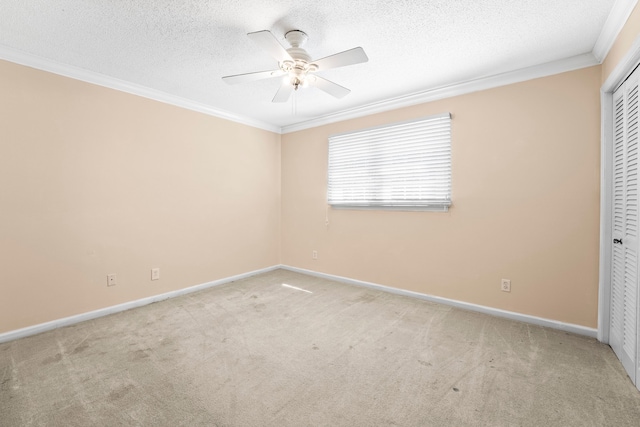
(111, 280)
(505, 285)
(314, 254)
(155, 274)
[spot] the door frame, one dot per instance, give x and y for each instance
(615, 79)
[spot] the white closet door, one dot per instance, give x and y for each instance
(624, 280)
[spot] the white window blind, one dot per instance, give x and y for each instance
(402, 165)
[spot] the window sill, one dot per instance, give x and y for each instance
(433, 208)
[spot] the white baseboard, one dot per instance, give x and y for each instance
(66, 321)
(568, 327)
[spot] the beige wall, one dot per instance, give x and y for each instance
(525, 204)
(625, 39)
(95, 181)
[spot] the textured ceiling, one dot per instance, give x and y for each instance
(184, 47)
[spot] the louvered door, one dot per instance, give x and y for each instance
(624, 265)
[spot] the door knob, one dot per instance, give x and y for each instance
(619, 241)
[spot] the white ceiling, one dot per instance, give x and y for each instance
(180, 49)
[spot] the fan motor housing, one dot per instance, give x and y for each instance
(299, 54)
(301, 59)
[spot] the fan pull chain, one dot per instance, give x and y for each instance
(294, 103)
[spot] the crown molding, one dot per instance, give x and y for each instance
(503, 79)
(543, 70)
(624, 68)
(39, 63)
(613, 25)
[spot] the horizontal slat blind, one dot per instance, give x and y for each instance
(402, 165)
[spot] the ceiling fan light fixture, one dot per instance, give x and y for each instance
(296, 65)
(287, 65)
(298, 82)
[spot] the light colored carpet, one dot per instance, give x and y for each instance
(259, 353)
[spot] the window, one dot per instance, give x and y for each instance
(405, 166)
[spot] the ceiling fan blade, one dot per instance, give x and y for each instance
(268, 42)
(330, 87)
(348, 57)
(283, 94)
(251, 77)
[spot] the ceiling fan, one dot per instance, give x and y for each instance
(296, 66)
